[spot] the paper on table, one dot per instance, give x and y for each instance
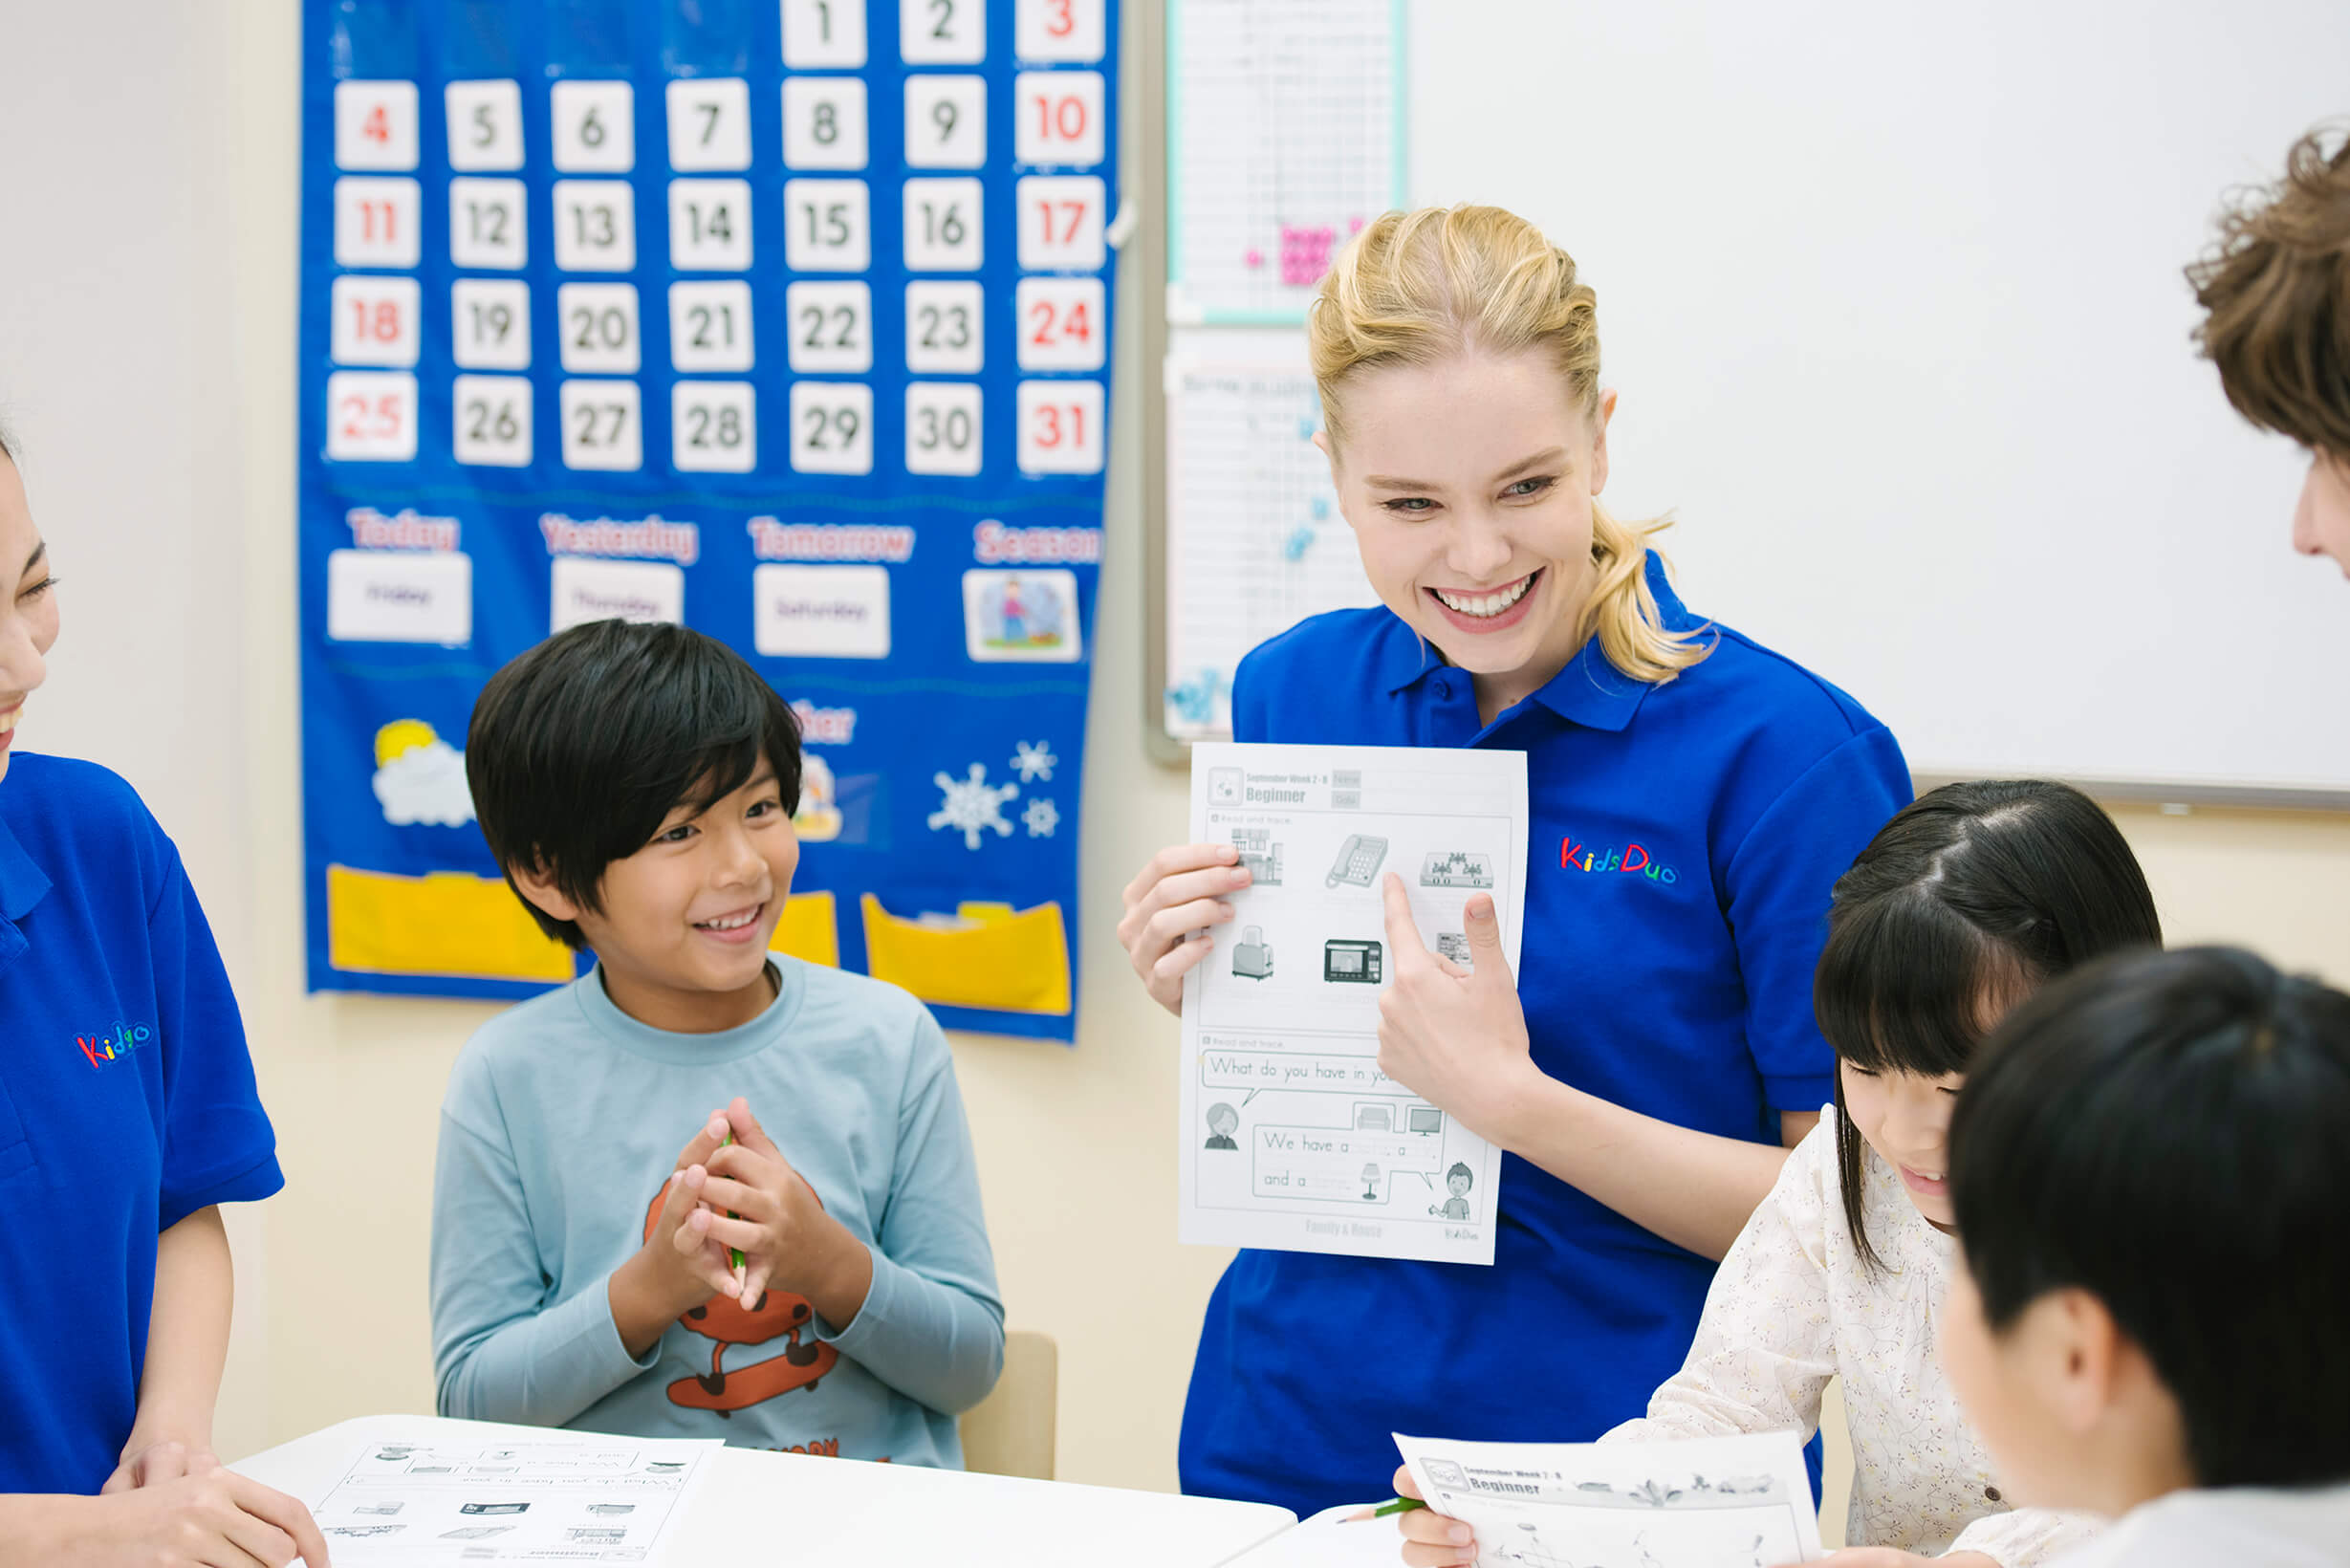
(1254, 539)
(1283, 130)
(588, 1500)
(1291, 1137)
(1336, 1537)
(1715, 1502)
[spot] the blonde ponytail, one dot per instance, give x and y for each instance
(1414, 287)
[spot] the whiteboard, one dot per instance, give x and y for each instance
(1892, 297)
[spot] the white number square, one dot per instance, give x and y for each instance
(713, 427)
(598, 323)
(944, 329)
(831, 427)
(375, 321)
(825, 35)
(941, 226)
(945, 122)
(831, 326)
(709, 326)
(603, 426)
(595, 127)
(941, 427)
(830, 228)
(489, 323)
(942, 31)
(377, 222)
(375, 124)
(824, 122)
(486, 224)
(371, 416)
(493, 420)
(1060, 323)
(485, 125)
(710, 225)
(1060, 427)
(710, 125)
(1056, 118)
(595, 226)
(1062, 223)
(1058, 32)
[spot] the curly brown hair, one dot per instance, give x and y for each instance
(2275, 290)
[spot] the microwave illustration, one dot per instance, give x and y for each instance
(1354, 962)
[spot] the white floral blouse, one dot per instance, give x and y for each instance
(1792, 1307)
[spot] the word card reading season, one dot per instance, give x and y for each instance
(786, 319)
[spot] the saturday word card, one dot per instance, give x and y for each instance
(784, 319)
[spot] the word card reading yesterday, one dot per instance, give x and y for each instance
(1291, 1137)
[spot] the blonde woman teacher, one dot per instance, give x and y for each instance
(1694, 797)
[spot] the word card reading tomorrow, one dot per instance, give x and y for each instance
(784, 319)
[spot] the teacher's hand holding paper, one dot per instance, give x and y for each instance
(1454, 1035)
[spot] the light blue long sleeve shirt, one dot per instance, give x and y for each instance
(563, 1120)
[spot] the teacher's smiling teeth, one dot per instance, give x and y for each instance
(1486, 609)
(8, 724)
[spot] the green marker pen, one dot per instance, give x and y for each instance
(735, 1254)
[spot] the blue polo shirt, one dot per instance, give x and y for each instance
(1685, 838)
(126, 1104)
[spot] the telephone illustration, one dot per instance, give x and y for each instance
(1358, 860)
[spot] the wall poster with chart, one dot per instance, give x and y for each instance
(787, 320)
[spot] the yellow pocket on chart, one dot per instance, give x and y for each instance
(987, 955)
(810, 930)
(446, 923)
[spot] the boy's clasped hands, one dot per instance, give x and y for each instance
(732, 1192)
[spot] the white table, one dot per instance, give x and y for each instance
(753, 1509)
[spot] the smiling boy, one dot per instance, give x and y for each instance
(637, 784)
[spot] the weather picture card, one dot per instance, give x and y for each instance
(566, 1499)
(1292, 1138)
(1715, 1502)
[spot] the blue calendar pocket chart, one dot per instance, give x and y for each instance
(786, 319)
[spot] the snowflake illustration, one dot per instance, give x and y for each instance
(971, 804)
(1035, 761)
(1042, 816)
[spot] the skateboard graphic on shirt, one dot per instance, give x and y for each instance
(726, 1322)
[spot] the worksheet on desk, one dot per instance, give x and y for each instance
(586, 1499)
(1713, 1502)
(1291, 1137)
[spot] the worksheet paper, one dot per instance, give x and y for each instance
(1254, 539)
(1284, 137)
(1715, 1502)
(1291, 1137)
(590, 1499)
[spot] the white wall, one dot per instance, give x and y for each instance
(146, 353)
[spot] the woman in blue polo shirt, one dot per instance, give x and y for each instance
(1694, 796)
(128, 1113)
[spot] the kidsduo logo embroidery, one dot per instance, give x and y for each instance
(1631, 861)
(102, 1049)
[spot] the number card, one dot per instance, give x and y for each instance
(784, 319)
(494, 421)
(824, 122)
(595, 127)
(712, 428)
(709, 326)
(709, 125)
(825, 35)
(1059, 31)
(375, 321)
(486, 224)
(485, 125)
(602, 426)
(489, 323)
(832, 327)
(377, 223)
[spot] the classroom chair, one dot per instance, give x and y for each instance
(1011, 1432)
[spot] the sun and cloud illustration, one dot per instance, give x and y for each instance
(420, 778)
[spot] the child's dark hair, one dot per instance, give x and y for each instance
(581, 747)
(1968, 898)
(2166, 1131)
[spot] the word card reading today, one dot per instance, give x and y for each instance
(1292, 1138)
